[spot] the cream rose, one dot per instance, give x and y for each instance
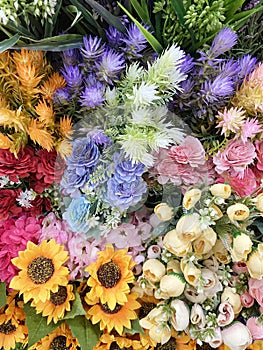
(221, 253)
(197, 316)
(191, 273)
(172, 285)
(242, 246)
(204, 243)
(237, 212)
(163, 212)
(232, 298)
(237, 336)
(188, 227)
(153, 270)
(191, 197)
(175, 245)
(180, 315)
(255, 263)
(173, 266)
(220, 190)
(259, 202)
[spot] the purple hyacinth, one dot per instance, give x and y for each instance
(93, 48)
(92, 96)
(135, 42)
(110, 66)
(73, 77)
(222, 42)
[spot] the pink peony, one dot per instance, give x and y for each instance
(256, 329)
(235, 157)
(14, 235)
(255, 289)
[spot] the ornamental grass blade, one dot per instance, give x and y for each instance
(8, 43)
(148, 36)
(2, 294)
(108, 17)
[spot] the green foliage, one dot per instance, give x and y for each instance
(86, 333)
(2, 294)
(76, 308)
(135, 328)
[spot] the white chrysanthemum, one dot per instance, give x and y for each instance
(144, 94)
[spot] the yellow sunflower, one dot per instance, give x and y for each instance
(109, 277)
(57, 304)
(41, 270)
(117, 318)
(112, 341)
(11, 332)
(60, 338)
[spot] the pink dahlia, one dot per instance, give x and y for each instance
(14, 235)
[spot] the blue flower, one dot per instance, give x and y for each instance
(92, 48)
(73, 76)
(110, 66)
(126, 170)
(85, 154)
(92, 96)
(77, 214)
(72, 181)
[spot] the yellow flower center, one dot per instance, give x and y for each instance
(7, 328)
(107, 310)
(109, 274)
(60, 297)
(170, 345)
(40, 270)
(59, 343)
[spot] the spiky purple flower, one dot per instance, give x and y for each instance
(212, 90)
(92, 48)
(135, 42)
(71, 57)
(61, 96)
(222, 42)
(110, 66)
(114, 37)
(246, 63)
(92, 96)
(73, 76)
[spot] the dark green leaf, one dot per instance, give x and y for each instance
(2, 294)
(37, 325)
(142, 12)
(76, 309)
(50, 25)
(135, 328)
(19, 29)
(86, 333)
(109, 18)
(71, 9)
(179, 9)
(149, 37)
(8, 43)
(244, 15)
(232, 6)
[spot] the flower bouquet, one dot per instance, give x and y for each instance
(131, 186)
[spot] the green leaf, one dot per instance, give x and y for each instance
(142, 12)
(109, 17)
(149, 37)
(2, 294)
(73, 10)
(76, 309)
(55, 43)
(179, 9)
(37, 325)
(135, 328)
(7, 43)
(232, 6)
(50, 25)
(86, 333)
(244, 15)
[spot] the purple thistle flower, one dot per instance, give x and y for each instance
(135, 42)
(246, 64)
(91, 80)
(114, 37)
(62, 96)
(187, 64)
(100, 139)
(211, 91)
(222, 42)
(93, 48)
(229, 68)
(73, 76)
(110, 66)
(92, 96)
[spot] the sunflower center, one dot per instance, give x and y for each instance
(40, 270)
(109, 274)
(107, 310)
(59, 343)
(145, 309)
(115, 346)
(60, 297)
(7, 328)
(170, 345)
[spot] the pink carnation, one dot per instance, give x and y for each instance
(235, 157)
(14, 235)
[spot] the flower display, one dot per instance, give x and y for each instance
(131, 176)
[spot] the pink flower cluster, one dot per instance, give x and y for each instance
(15, 232)
(184, 165)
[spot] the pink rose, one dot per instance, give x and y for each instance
(256, 329)
(244, 184)
(240, 267)
(246, 299)
(256, 290)
(226, 314)
(235, 157)
(190, 151)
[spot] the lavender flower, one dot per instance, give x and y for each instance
(229, 68)
(92, 48)
(73, 77)
(135, 42)
(100, 138)
(110, 66)
(222, 42)
(92, 96)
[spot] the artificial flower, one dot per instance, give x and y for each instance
(171, 285)
(232, 298)
(255, 263)
(191, 197)
(220, 190)
(153, 270)
(110, 276)
(237, 336)
(42, 270)
(237, 212)
(241, 247)
(163, 212)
